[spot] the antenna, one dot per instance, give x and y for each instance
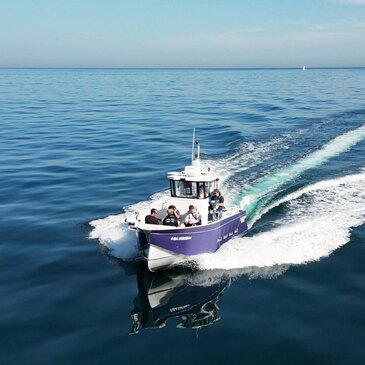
(192, 151)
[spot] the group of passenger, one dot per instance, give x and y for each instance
(192, 217)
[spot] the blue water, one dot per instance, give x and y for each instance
(80, 149)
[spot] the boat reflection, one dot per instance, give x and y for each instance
(191, 296)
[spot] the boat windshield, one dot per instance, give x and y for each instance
(191, 189)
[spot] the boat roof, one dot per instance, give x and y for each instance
(193, 172)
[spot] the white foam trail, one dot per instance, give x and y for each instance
(318, 221)
(254, 197)
(322, 185)
(211, 277)
(113, 233)
(248, 155)
(208, 278)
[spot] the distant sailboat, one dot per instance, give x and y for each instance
(303, 68)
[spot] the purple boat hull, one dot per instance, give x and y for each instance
(196, 240)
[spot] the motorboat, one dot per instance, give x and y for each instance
(164, 246)
(171, 294)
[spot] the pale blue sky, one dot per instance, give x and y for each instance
(182, 33)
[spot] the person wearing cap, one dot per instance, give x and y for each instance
(216, 202)
(192, 217)
(151, 218)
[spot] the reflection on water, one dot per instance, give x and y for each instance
(191, 296)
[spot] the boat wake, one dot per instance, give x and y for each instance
(256, 196)
(318, 219)
(314, 220)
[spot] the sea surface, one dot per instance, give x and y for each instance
(80, 149)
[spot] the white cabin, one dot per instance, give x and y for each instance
(192, 186)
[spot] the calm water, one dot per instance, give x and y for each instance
(81, 149)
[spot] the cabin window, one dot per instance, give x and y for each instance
(191, 189)
(207, 189)
(183, 189)
(201, 190)
(172, 188)
(204, 189)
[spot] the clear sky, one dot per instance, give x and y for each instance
(182, 33)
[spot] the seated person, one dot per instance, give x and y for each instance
(216, 202)
(193, 217)
(151, 218)
(172, 217)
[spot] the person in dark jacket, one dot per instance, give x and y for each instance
(216, 202)
(151, 218)
(172, 218)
